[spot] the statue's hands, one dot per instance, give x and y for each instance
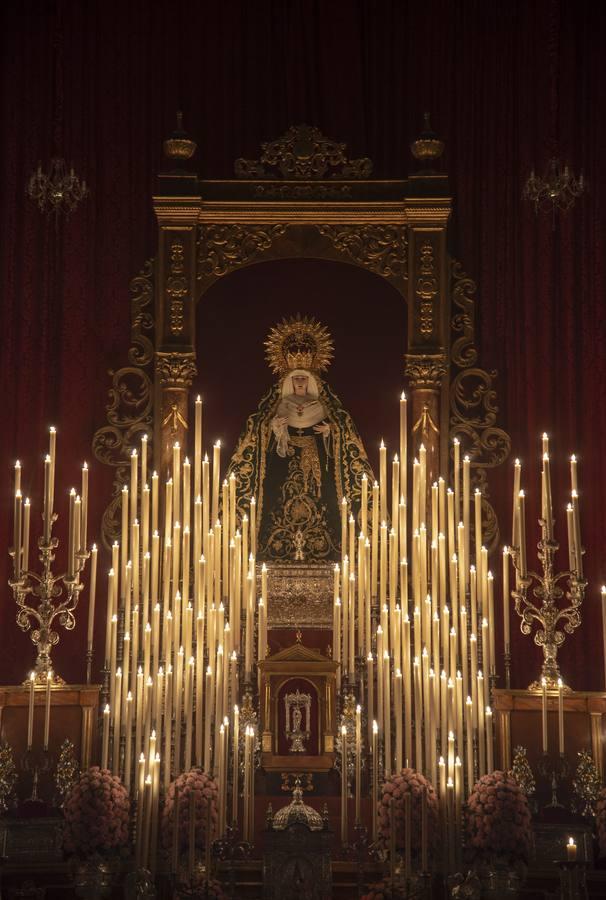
(322, 428)
(278, 426)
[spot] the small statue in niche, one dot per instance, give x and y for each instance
(294, 719)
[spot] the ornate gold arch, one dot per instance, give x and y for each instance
(378, 248)
(303, 197)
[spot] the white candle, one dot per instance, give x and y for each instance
(544, 714)
(47, 499)
(383, 481)
(52, 452)
(216, 474)
(522, 533)
(506, 599)
(577, 533)
(17, 476)
(457, 478)
(30, 712)
(155, 481)
(466, 520)
(252, 527)
(398, 716)
(374, 556)
(469, 744)
(198, 446)
(489, 741)
(92, 596)
(344, 828)
(561, 716)
(572, 562)
(17, 535)
(370, 694)
(358, 761)
(403, 444)
(517, 475)
(547, 512)
(26, 521)
(47, 706)
(105, 743)
(235, 765)
(481, 723)
(134, 484)
(129, 743)
(375, 779)
(189, 712)
(84, 509)
(364, 505)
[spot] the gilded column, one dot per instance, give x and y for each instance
(428, 206)
(177, 204)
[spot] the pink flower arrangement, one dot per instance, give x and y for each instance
(600, 821)
(382, 890)
(498, 820)
(205, 791)
(411, 782)
(211, 890)
(96, 811)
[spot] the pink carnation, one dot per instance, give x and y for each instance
(393, 791)
(383, 890)
(498, 820)
(205, 791)
(96, 811)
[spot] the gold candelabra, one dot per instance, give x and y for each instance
(43, 598)
(546, 612)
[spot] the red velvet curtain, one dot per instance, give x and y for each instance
(508, 85)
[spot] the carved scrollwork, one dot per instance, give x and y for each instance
(427, 287)
(222, 248)
(177, 288)
(309, 191)
(141, 352)
(380, 248)
(463, 350)
(473, 408)
(130, 404)
(425, 370)
(176, 369)
(305, 153)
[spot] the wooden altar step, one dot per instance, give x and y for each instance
(52, 882)
(345, 882)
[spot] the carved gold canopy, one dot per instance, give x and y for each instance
(304, 197)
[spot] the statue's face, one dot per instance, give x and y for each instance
(299, 383)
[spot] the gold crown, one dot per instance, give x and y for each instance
(298, 343)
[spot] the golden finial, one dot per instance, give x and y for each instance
(427, 146)
(179, 145)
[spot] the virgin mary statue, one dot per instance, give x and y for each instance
(300, 453)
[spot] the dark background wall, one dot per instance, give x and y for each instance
(508, 84)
